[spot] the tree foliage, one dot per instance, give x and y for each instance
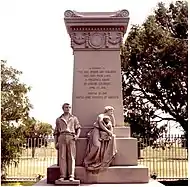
(154, 62)
(16, 125)
(36, 133)
(15, 107)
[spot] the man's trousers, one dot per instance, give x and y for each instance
(67, 155)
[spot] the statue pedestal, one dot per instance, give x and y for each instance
(124, 168)
(126, 156)
(113, 175)
(150, 183)
(67, 183)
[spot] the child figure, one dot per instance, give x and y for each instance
(103, 134)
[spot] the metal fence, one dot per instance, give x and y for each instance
(166, 158)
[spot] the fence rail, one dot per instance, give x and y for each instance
(166, 158)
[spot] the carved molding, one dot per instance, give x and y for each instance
(119, 14)
(114, 37)
(96, 28)
(71, 13)
(79, 38)
(96, 40)
(122, 13)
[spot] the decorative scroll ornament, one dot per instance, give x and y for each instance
(122, 13)
(70, 14)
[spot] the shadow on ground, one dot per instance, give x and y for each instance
(175, 183)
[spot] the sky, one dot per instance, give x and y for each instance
(33, 39)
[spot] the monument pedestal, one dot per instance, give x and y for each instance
(127, 154)
(124, 168)
(113, 175)
(67, 183)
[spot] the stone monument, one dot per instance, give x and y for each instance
(96, 38)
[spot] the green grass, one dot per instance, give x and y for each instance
(167, 163)
(18, 183)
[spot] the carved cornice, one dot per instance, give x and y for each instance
(96, 40)
(119, 14)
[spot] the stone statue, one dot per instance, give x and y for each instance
(101, 148)
(66, 133)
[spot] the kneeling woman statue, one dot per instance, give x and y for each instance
(101, 148)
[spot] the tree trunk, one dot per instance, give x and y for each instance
(33, 151)
(184, 125)
(186, 141)
(139, 151)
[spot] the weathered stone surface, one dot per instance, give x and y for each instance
(96, 38)
(96, 84)
(150, 183)
(120, 132)
(113, 175)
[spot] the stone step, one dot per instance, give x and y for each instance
(124, 132)
(155, 183)
(127, 152)
(113, 175)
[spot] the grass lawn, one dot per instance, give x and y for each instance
(18, 183)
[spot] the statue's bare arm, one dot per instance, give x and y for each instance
(113, 120)
(101, 124)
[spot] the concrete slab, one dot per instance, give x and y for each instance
(151, 183)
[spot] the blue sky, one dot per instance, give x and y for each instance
(33, 39)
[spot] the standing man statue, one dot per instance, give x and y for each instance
(66, 133)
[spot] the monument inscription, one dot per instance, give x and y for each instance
(96, 82)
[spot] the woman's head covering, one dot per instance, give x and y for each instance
(107, 108)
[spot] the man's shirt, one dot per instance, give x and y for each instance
(66, 126)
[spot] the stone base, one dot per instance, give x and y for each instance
(68, 183)
(118, 131)
(126, 156)
(113, 175)
(150, 183)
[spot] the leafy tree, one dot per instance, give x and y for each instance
(14, 109)
(36, 133)
(154, 62)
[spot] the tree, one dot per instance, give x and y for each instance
(15, 106)
(154, 62)
(36, 133)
